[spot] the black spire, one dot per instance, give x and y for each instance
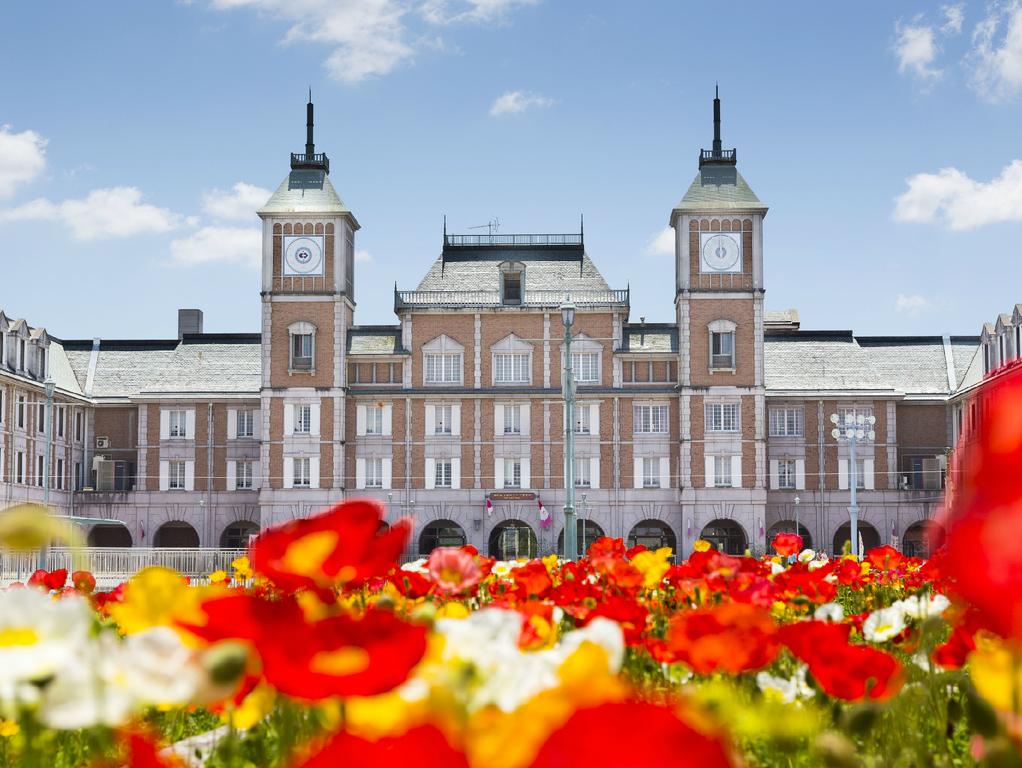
(717, 156)
(310, 161)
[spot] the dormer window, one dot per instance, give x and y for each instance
(512, 277)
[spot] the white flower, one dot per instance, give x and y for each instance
(830, 612)
(90, 690)
(884, 624)
(776, 568)
(416, 566)
(785, 690)
(806, 555)
(38, 634)
(923, 607)
(159, 669)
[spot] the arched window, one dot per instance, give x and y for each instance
(176, 535)
(868, 538)
(722, 345)
(441, 533)
(237, 535)
(109, 536)
(922, 539)
(653, 534)
(788, 526)
(511, 361)
(302, 345)
(727, 536)
(587, 534)
(512, 540)
(442, 361)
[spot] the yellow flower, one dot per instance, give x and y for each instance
(652, 565)
(996, 670)
(452, 610)
(242, 568)
(550, 561)
(218, 577)
(701, 545)
(157, 596)
(9, 728)
(252, 708)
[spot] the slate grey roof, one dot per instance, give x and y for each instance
(652, 338)
(964, 350)
(304, 191)
(719, 187)
(61, 371)
(913, 366)
(375, 341)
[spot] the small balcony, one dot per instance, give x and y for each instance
(315, 162)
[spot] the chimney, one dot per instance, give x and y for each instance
(188, 321)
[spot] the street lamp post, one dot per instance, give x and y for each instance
(48, 387)
(854, 428)
(585, 521)
(570, 529)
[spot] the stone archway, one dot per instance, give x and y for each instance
(441, 533)
(176, 534)
(237, 534)
(513, 539)
(587, 534)
(923, 538)
(868, 535)
(788, 526)
(653, 534)
(728, 536)
(109, 536)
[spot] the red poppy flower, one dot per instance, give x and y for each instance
(844, 671)
(594, 738)
(423, 747)
(605, 546)
(410, 584)
(50, 580)
(84, 582)
(627, 612)
(787, 544)
(339, 547)
(734, 637)
(143, 752)
(454, 571)
(885, 558)
(532, 579)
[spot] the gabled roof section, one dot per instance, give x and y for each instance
(718, 188)
(375, 340)
(654, 338)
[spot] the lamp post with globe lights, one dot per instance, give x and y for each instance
(854, 428)
(570, 531)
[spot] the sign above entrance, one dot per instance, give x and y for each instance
(512, 496)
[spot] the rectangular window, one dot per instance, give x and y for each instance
(302, 472)
(374, 420)
(2, 408)
(444, 473)
(512, 419)
(178, 424)
(722, 417)
(512, 473)
(442, 416)
(651, 473)
(586, 367)
(39, 471)
(512, 287)
(854, 413)
(243, 475)
(78, 476)
(246, 423)
(787, 422)
(722, 471)
(58, 478)
(78, 426)
(443, 368)
(303, 419)
(374, 473)
(786, 474)
(583, 476)
(860, 474)
(511, 368)
(176, 475)
(722, 350)
(60, 413)
(301, 352)
(20, 411)
(650, 418)
(40, 421)
(19, 467)
(583, 419)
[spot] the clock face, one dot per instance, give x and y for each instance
(721, 252)
(303, 255)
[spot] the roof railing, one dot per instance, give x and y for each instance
(718, 157)
(487, 298)
(499, 240)
(318, 161)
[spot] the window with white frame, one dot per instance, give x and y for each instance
(78, 426)
(722, 417)
(722, 345)
(786, 474)
(246, 423)
(60, 413)
(374, 473)
(583, 419)
(787, 422)
(40, 472)
(58, 477)
(512, 419)
(443, 473)
(511, 368)
(443, 361)
(512, 276)
(40, 421)
(303, 419)
(650, 472)
(722, 472)
(19, 466)
(442, 419)
(512, 473)
(649, 419)
(302, 472)
(20, 406)
(583, 473)
(243, 475)
(854, 412)
(860, 474)
(178, 424)
(176, 475)
(586, 367)
(302, 347)
(374, 420)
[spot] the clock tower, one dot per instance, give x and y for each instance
(307, 307)
(719, 301)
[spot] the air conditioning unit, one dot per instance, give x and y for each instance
(96, 460)
(105, 475)
(102, 441)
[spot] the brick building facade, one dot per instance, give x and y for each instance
(714, 426)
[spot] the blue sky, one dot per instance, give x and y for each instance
(138, 138)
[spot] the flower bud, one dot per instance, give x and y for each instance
(225, 662)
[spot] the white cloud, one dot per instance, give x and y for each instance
(910, 305)
(959, 202)
(916, 49)
(22, 158)
(111, 212)
(996, 55)
(363, 256)
(662, 243)
(225, 245)
(954, 16)
(475, 11)
(516, 102)
(239, 202)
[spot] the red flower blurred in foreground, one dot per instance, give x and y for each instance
(453, 570)
(787, 544)
(342, 546)
(143, 752)
(843, 670)
(84, 582)
(50, 580)
(629, 735)
(734, 637)
(984, 554)
(423, 747)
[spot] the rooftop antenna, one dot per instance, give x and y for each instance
(716, 120)
(310, 147)
(491, 227)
